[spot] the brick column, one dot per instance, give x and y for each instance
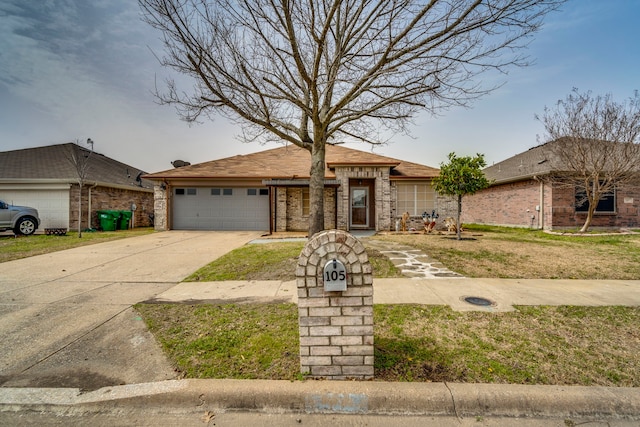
(336, 328)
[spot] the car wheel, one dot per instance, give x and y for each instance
(25, 226)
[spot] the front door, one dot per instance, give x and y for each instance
(359, 207)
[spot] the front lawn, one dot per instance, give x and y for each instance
(532, 345)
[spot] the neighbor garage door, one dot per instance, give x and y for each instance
(52, 204)
(220, 208)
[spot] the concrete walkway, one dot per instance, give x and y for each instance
(73, 346)
(501, 294)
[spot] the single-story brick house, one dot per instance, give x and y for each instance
(269, 191)
(46, 178)
(521, 197)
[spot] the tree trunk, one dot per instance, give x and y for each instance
(587, 221)
(316, 189)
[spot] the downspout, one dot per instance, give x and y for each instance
(89, 216)
(541, 212)
(273, 209)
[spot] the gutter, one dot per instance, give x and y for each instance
(19, 184)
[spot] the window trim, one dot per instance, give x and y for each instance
(305, 202)
(415, 188)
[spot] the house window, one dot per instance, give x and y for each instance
(257, 191)
(227, 191)
(415, 198)
(179, 191)
(305, 202)
(606, 204)
(191, 191)
(215, 191)
(187, 191)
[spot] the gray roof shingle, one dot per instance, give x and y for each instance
(53, 162)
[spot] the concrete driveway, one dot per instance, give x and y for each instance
(66, 318)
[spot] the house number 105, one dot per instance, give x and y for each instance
(335, 276)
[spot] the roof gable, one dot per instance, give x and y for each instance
(291, 162)
(53, 162)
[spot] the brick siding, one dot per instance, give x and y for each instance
(107, 198)
(515, 205)
(336, 328)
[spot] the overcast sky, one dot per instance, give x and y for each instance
(77, 69)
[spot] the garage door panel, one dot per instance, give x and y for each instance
(219, 210)
(52, 205)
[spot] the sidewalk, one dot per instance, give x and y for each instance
(502, 294)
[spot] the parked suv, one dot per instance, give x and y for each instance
(20, 219)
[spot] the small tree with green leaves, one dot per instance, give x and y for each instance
(459, 177)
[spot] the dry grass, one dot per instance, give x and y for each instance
(250, 341)
(526, 254)
(532, 345)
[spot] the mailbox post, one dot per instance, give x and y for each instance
(335, 307)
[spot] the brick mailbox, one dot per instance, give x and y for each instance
(335, 307)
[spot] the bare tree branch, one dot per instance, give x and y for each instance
(594, 145)
(313, 71)
(79, 157)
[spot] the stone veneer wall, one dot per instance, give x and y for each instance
(336, 328)
(160, 203)
(383, 199)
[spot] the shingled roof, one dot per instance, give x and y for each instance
(52, 162)
(293, 162)
(525, 165)
(543, 159)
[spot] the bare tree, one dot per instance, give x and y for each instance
(79, 157)
(317, 72)
(593, 144)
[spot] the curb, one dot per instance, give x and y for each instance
(336, 397)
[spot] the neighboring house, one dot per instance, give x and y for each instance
(45, 178)
(269, 191)
(520, 196)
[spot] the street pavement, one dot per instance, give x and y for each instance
(73, 346)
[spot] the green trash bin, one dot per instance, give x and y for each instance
(125, 219)
(108, 220)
